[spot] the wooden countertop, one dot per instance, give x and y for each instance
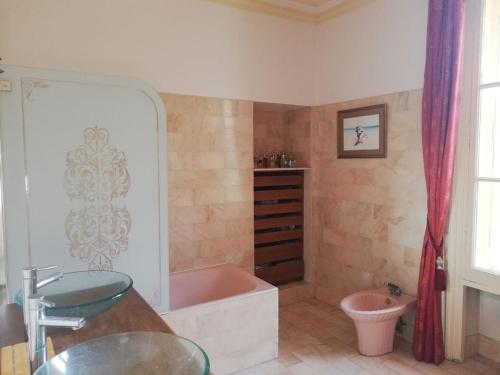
(132, 313)
(11, 325)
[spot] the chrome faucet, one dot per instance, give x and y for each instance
(393, 288)
(31, 284)
(37, 323)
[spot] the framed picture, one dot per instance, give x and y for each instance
(362, 132)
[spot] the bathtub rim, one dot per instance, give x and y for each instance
(265, 288)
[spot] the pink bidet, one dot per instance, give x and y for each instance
(375, 314)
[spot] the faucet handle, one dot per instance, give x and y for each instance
(394, 289)
(30, 272)
(47, 268)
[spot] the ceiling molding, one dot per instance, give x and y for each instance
(266, 7)
(260, 6)
(311, 2)
(341, 9)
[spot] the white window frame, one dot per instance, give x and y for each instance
(460, 238)
(468, 142)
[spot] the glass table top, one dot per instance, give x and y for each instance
(84, 293)
(131, 353)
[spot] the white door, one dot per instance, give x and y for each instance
(85, 177)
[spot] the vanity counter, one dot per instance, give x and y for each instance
(132, 313)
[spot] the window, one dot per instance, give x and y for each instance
(486, 255)
(473, 243)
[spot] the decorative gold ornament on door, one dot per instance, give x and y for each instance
(96, 174)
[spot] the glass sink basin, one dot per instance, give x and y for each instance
(85, 293)
(131, 353)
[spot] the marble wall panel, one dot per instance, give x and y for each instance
(368, 214)
(288, 131)
(210, 152)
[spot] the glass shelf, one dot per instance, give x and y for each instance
(85, 293)
(131, 353)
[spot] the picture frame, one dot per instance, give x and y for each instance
(362, 132)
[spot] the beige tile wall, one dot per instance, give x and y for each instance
(210, 161)
(298, 135)
(368, 214)
(288, 131)
(269, 132)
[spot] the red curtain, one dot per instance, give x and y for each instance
(440, 111)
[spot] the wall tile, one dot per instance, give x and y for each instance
(288, 131)
(188, 215)
(207, 231)
(210, 165)
(239, 193)
(180, 197)
(368, 214)
(208, 160)
(238, 159)
(179, 160)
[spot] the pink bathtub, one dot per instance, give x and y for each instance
(211, 284)
(230, 313)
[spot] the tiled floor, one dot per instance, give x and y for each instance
(316, 338)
